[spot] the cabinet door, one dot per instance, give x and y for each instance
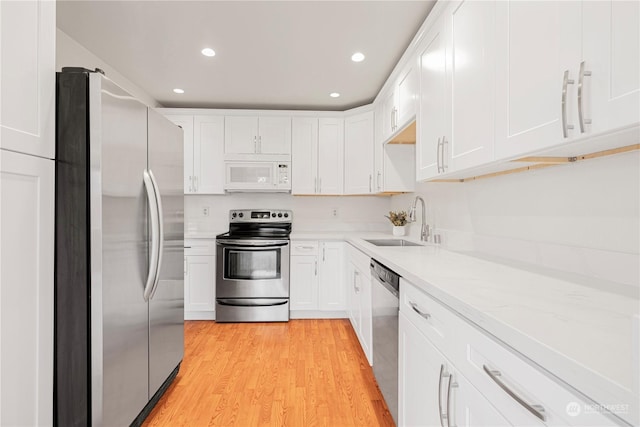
(186, 123)
(420, 367)
(199, 283)
(432, 126)
(304, 155)
(389, 114)
(331, 290)
(27, 76)
(26, 289)
(240, 135)
(537, 42)
(611, 51)
(330, 156)
(358, 154)
(353, 298)
(471, 85)
(274, 135)
(407, 94)
(304, 282)
(466, 406)
(378, 149)
(208, 157)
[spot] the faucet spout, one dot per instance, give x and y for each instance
(424, 228)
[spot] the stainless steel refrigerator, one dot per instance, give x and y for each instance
(119, 291)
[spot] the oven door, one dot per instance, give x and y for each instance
(252, 269)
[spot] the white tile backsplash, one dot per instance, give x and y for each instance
(581, 218)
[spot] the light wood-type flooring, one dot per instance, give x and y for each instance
(301, 373)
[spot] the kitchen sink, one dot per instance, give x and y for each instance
(392, 242)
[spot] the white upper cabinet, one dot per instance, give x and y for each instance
(432, 122)
(537, 53)
(208, 142)
(470, 84)
(399, 104)
(317, 155)
(203, 152)
(565, 71)
(456, 107)
(304, 155)
(257, 138)
(611, 71)
(27, 77)
(407, 93)
(358, 154)
(330, 156)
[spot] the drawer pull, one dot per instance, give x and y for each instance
(415, 308)
(537, 410)
(305, 248)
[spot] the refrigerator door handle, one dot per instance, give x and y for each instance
(155, 234)
(160, 241)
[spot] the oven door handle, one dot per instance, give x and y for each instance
(253, 244)
(252, 302)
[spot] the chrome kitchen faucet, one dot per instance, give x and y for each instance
(424, 229)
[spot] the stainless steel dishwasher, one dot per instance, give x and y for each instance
(385, 292)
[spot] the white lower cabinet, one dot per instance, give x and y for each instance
(359, 298)
(451, 373)
(432, 392)
(26, 289)
(317, 279)
(199, 279)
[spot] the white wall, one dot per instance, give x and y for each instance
(355, 213)
(70, 53)
(581, 218)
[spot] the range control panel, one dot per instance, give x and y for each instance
(260, 215)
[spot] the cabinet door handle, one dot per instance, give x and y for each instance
(438, 155)
(195, 183)
(452, 384)
(444, 142)
(378, 181)
(260, 144)
(190, 184)
(316, 267)
(537, 410)
(355, 281)
(255, 144)
(565, 82)
(415, 308)
(323, 253)
(370, 183)
(440, 413)
(581, 77)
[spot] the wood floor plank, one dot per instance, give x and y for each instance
(301, 373)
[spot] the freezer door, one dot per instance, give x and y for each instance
(118, 217)
(166, 306)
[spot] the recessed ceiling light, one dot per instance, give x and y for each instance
(334, 94)
(176, 90)
(207, 51)
(357, 57)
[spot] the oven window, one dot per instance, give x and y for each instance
(247, 264)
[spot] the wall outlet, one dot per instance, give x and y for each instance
(335, 212)
(205, 211)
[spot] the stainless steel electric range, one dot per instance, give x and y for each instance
(252, 267)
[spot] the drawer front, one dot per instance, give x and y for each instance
(360, 259)
(525, 394)
(199, 247)
(304, 247)
(433, 319)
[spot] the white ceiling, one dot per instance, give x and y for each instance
(269, 54)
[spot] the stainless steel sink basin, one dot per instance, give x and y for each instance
(392, 242)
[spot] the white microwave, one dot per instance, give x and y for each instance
(257, 176)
